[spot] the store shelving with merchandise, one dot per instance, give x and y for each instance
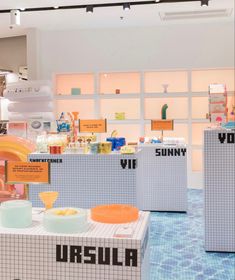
(129, 100)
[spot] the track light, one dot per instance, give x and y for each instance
(204, 3)
(56, 7)
(89, 9)
(157, 1)
(15, 18)
(126, 6)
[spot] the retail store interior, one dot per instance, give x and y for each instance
(117, 140)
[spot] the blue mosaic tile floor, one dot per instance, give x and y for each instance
(177, 247)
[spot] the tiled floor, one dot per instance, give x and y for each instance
(177, 251)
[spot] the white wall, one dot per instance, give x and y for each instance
(162, 47)
(13, 53)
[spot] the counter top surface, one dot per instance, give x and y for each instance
(96, 230)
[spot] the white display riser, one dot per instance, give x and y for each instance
(219, 177)
(146, 180)
(85, 180)
(162, 178)
(34, 254)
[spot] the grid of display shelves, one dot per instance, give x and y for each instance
(120, 109)
(197, 160)
(153, 107)
(200, 107)
(140, 95)
(166, 81)
(119, 83)
(86, 108)
(197, 132)
(180, 130)
(68, 84)
(130, 131)
(201, 79)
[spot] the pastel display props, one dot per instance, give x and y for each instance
(105, 148)
(48, 198)
(65, 220)
(16, 214)
(114, 214)
(127, 150)
(15, 148)
(164, 109)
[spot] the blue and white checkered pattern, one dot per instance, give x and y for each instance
(219, 176)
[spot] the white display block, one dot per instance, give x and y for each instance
(34, 254)
(219, 178)
(86, 180)
(162, 178)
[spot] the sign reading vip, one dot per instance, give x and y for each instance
(128, 163)
(93, 126)
(27, 172)
(228, 138)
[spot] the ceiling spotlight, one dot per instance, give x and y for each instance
(126, 6)
(204, 3)
(157, 1)
(56, 7)
(22, 9)
(89, 9)
(15, 18)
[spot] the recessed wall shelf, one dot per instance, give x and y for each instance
(140, 95)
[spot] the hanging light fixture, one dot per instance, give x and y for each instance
(89, 9)
(204, 3)
(126, 6)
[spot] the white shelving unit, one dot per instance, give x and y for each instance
(187, 86)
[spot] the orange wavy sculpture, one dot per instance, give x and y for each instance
(12, 148)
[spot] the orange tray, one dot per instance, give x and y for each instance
(114, 214)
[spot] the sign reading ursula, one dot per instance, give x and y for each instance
(27, 172)
(93, 126)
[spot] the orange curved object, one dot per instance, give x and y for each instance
(15, 148)
(114, 214)
(12, 148)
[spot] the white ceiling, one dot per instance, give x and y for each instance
(148, 15)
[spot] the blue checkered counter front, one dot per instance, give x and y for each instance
(162, 178)
(85, 180)
(219, 177)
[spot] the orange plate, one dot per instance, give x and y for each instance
(114, 214)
